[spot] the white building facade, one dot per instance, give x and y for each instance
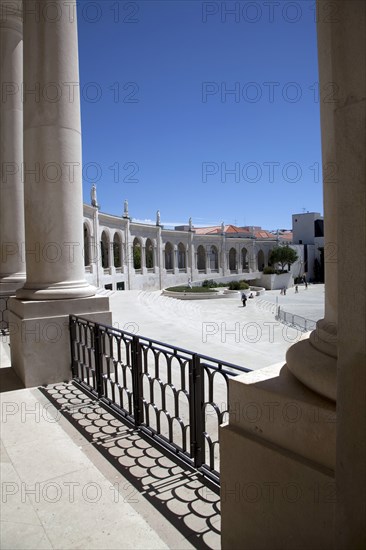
(120, 254)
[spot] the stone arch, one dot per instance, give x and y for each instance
(244, 258)
(214, 258)
(268, 257)
(149, 254)
(137, 253)
(260, 260)
(169, 256)
(201, 258)
(117, 250)
(87, 244)
(104, 249)
(232, 259)
(182, 263)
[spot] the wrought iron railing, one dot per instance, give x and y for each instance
(173, 395)
(4, 321)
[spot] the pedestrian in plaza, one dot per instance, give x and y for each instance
(296, 289)
(306, 285)
(244, 299)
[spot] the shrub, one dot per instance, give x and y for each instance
(234, 285)
(210, 283)
(194, 289)
(244, 285)
(269, 271)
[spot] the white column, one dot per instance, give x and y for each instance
(12, 260)
(159, 258)
(52, 158)
(314, 360)
(191, 254)
(223, 254)
(55, 286)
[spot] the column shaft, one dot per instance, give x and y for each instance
(12, 259)
(52, 158)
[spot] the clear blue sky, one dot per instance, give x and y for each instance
(160, 129)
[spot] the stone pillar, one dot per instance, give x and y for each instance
(96, 252)
(159, 259)
(175, 256)
(344, 39)
(111, 255)
(12, 258)
(191, 266)
(128, 252)
(55, 285)
(223, 254)
(317, 446)
(52, 158)
(143, 259)
(320, 349)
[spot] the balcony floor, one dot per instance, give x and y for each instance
(73, 476)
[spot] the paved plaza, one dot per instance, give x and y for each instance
(250, 337)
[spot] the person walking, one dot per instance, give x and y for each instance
(244, 299)
(296, 289)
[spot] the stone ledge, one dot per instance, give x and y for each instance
(273, 405)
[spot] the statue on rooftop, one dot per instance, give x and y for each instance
(93, 196)
(125, 209)
(158, 217)
(190, 224)
(222, 228)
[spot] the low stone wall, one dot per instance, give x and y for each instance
(196, 295)
(259, 290)
(276, 282)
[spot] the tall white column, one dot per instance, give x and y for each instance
(12, 260)
(324, 445)
(55, 286)
(52, 156)
(314, 360)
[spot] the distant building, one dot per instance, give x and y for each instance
(308, 230)
(120, 254)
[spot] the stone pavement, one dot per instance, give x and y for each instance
(74, 477)
(223, 329)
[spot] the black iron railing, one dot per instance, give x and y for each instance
(4, 321)
(178, 397)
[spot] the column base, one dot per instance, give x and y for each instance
(56, 291)
(313, 362)
(9, 285)
(40, 338)
(277, 464)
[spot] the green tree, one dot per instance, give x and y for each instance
(283, 256)
(149, 258)
(137, 257)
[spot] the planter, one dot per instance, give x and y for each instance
(276, 282)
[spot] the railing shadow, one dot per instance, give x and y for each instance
(183, 496)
